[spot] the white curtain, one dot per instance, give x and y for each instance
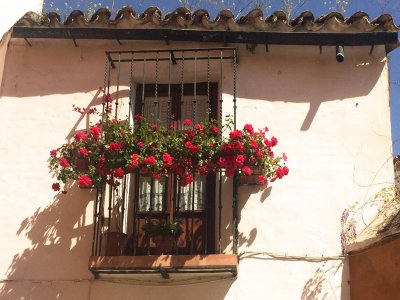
(157, 195)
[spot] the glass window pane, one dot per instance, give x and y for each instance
(193, 195)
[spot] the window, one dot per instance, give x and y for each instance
(201, 207)
(193, 206)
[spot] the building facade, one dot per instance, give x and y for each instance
(280, 242)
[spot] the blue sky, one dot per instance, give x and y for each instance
(373, 7)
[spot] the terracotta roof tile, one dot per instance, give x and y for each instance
(182, 18)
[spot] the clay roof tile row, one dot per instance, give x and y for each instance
(183, 18)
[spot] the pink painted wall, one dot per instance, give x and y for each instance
(332, 120)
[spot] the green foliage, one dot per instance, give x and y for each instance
(163, 228)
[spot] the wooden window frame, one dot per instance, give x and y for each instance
(206, 244)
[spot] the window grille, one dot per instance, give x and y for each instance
(165, 86)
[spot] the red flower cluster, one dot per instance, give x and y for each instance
(246, 150)
(111, 149)
(116, 146)
(85, 181)
(64, 162)
(80, 136)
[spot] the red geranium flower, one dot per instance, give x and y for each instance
(80, 136)
(119, 173)
(274, 141)
(246, 170)
(240, 160)
(198, 127)
(187, 122)
(214, 130)
(95, 131)
(167, 159)
(64, 162)
(262, 180)
(55, 186)
(149, 160)
(83, 151)
(85, 181)
(249, 128)
(235, 135)
(116, 146)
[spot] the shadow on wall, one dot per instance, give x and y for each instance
(320, 285)
(59, 235)
(54, 70)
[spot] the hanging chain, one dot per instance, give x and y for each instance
(208, 85)
(169, 93)
(106, 66)
(143, 84)
(131, 100)
(118, 79)
(195, 88)
(220, 100)
(182, 78)
(234, 88)
(156, 92)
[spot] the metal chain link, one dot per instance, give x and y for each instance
(194, 102)
(234, 88)
(220, 100)
(182, 78)
(208, 84)
(131, 100)
(156, 91)
(106, 66)
(118, 79)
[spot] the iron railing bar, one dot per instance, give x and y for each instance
(205, 214)
(220, 212)
(110, 198)
(177, 58)
(101, 218)
(95, 220)
(123, 203)
(172, 50)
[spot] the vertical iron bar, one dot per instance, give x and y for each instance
(165, 195)
(235, 176)
(118, 78)
(220, 211)
(192, 207)
(123, 203)
(101, 217)
(136, 216)
(95, 221)
(205, 214)
(177, 208)
(110, 198)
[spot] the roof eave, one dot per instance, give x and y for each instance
(388, 38)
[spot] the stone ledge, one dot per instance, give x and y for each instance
(164, 265)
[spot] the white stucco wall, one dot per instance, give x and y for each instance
(331, 119)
